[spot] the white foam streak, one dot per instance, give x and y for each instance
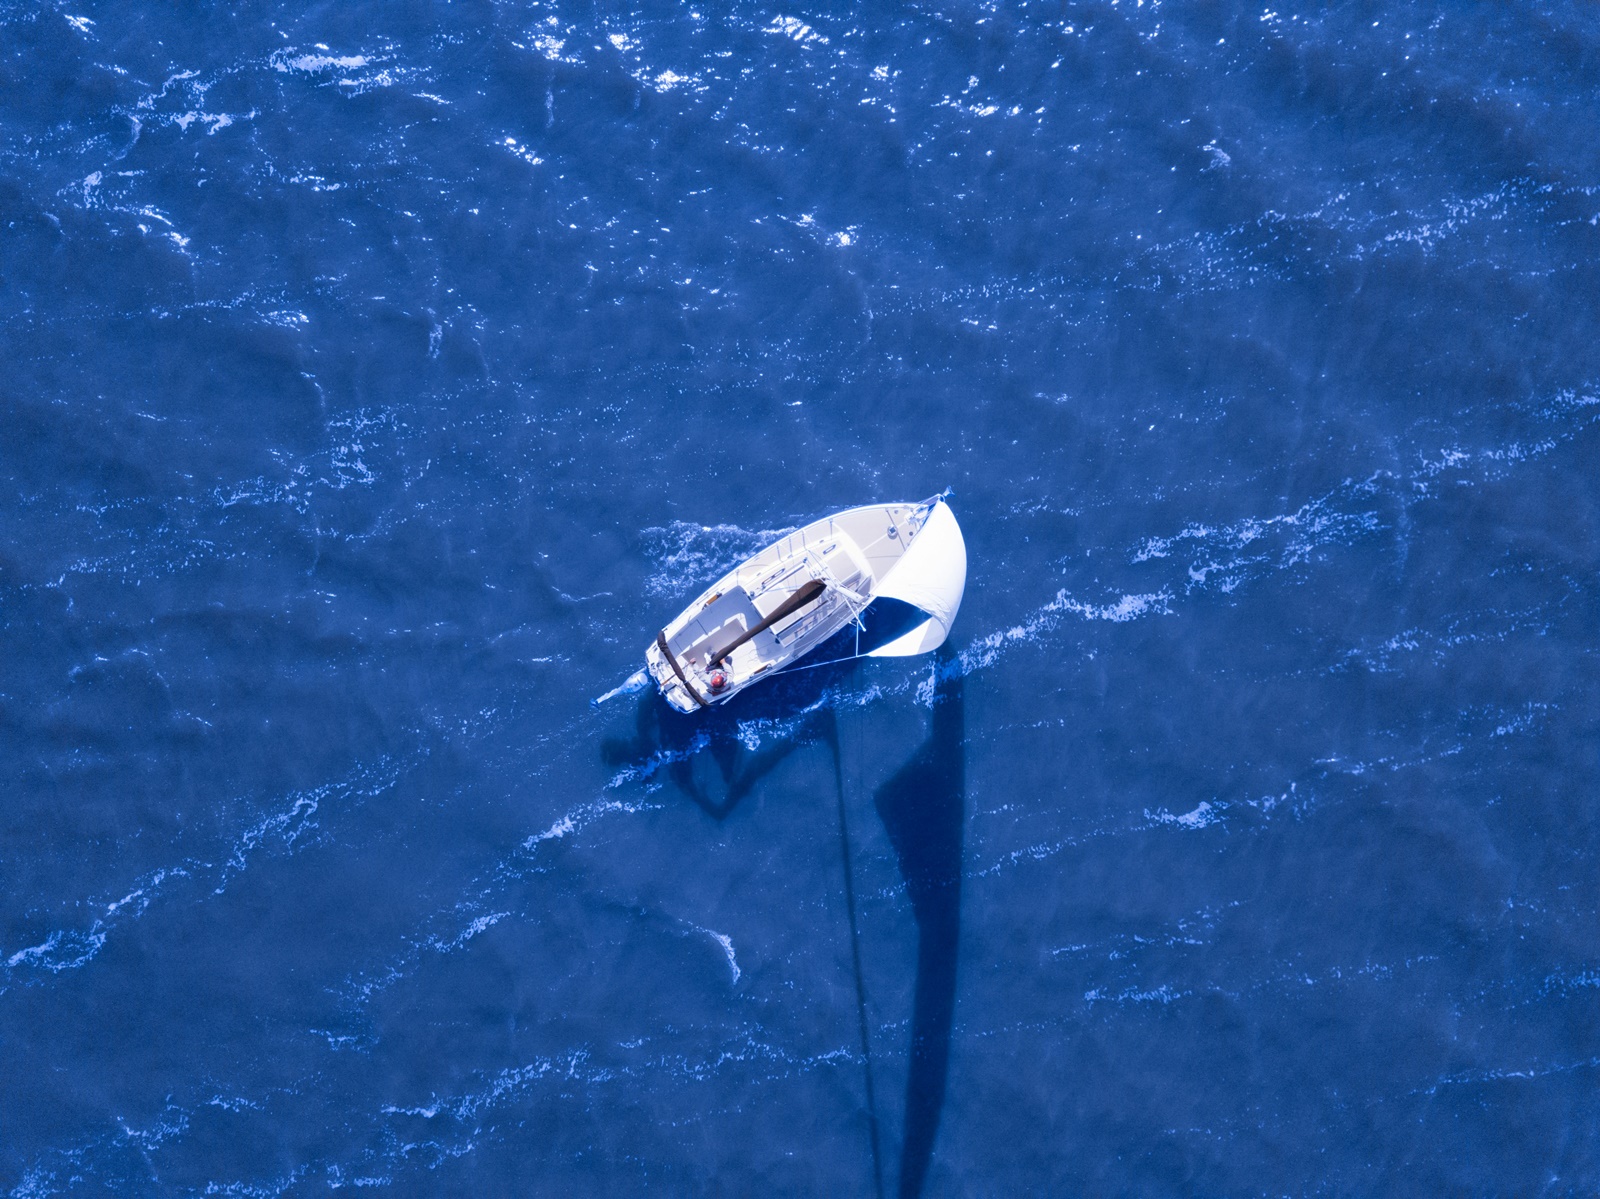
(1204, 815)
(68, 949)
(582, 816)
(1504, 1074)
(665, 757)
(286, 61)
(321, 63)
(727, 948)
(797, 30)
(507, 1085)
(481, 924)
(1201, 816)
(288, 825)
(359, 991)
(1161, 994)
(987, 650)
(1287, 540)
(61, 950)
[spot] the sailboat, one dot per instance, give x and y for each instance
(895, 571)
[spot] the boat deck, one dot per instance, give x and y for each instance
(849, 552)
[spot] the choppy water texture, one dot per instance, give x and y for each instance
(379, 377)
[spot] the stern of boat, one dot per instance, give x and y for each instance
(666, 681)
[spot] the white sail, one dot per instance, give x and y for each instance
(931, 576)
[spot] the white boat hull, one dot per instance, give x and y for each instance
(776, 607)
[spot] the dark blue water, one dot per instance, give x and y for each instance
(379, 378)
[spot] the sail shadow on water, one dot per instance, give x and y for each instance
(923, 808)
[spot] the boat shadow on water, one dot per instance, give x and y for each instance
(922, 806)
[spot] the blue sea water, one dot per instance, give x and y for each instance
(378, 378)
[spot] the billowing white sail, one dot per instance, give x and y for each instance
(931, 576)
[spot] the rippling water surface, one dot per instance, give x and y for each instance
(378, 379)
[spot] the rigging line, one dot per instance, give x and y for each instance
(829, 662)
(855, 958)
(834, 661)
